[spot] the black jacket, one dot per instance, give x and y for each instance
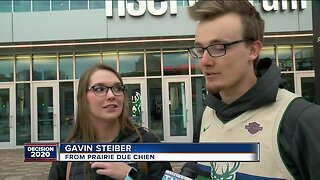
(298, 137)
(155, 169)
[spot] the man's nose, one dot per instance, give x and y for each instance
(206, 58)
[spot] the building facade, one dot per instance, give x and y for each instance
(46, 45)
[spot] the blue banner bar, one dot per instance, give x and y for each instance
(160, 148)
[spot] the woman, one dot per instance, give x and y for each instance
(102, 118)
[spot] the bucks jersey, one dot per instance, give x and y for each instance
(259, 125)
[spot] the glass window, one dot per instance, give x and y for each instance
(110, 59)
(131, 63)
(23, 116)
(66, 66)
(268, 51)
(43, 5)
(175, 62)
(304, 57)
(83, 4)
(133, 99)
(115, 4)
(177, 108)
(307, 88)
(5, 114)
(5, 6)
(153, 60)
(285, 58)
(96, 4)
(289, 84)
(44, 113)
(66, 109)
(190, 2)
(60, 5)
(198, 97)
(155, 115)
(195, 66)
(6, 69)
(23, 68)
(181, 3)
(22, 5)
(44, 67)
(84, 61)
(157, 4)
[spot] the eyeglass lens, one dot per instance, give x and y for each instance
(213, 50)
(117, 90)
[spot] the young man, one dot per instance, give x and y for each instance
(245, 102)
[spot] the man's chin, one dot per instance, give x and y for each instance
(212, 89)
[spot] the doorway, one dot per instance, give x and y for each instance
(7, 117)
(177, 110)
(45, 117)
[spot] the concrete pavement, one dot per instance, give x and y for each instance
(13, 167)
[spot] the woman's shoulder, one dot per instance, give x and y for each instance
(147, 135)
(141, 133)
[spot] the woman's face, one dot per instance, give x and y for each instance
(106, 106)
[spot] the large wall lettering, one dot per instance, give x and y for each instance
(138, 8)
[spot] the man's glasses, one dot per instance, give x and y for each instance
(215, 50)
(100, 90)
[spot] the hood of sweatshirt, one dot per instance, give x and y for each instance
(262, 93)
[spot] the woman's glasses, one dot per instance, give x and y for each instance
(101, 90)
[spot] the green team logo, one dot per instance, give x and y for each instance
(224, 170)
(136, 104)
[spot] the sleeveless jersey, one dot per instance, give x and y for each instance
(259, 125)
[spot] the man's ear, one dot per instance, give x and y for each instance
(255, 49)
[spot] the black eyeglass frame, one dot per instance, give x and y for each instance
(107, 90)
(225, 45)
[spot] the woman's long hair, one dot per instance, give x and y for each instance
(83, 130)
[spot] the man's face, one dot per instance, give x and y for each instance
(232, 72)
